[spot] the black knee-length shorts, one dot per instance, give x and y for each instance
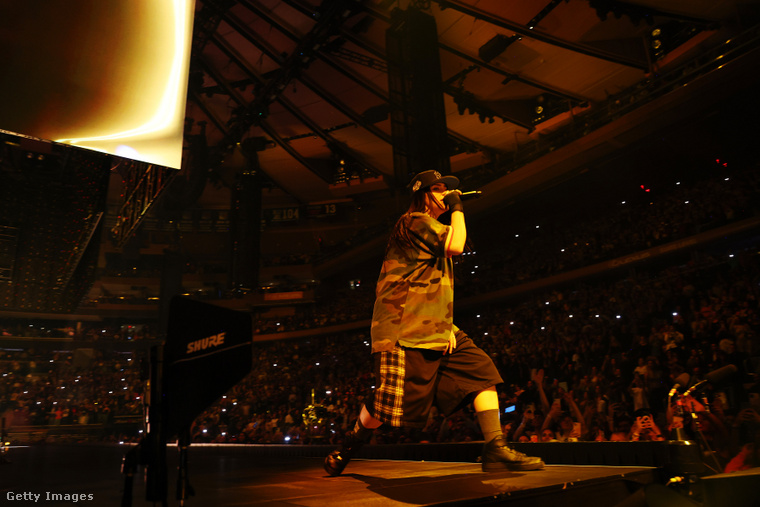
(411, 380)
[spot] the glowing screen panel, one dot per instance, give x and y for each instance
(105, 75)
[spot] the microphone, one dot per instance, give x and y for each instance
(713, 377)
(721, 373)
(472, 194)
(445, 217)
(681, 381)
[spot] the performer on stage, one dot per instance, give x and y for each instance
(420, 356)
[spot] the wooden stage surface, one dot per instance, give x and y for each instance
(223, 477)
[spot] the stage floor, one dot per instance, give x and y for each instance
(223, 477)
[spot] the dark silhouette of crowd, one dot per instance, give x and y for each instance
(84, 387)
(559, 242)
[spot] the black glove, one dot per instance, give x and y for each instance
(453, 201)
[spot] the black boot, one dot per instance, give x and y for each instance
(498, 456)
(336, 461)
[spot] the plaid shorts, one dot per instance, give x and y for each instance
(412, 380)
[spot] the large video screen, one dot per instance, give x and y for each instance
(105, 75)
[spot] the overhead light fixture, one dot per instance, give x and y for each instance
(496, 46)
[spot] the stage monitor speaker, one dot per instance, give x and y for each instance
(684, 457)
(737, 489)
(208, 350)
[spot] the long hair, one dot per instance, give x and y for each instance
(399, 237)
(422, 202)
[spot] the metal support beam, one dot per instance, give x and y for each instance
(146, 183)
(540, 36)
(236, 135)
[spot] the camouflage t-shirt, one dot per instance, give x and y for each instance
(415, 294)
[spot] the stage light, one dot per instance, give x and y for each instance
(496, 46)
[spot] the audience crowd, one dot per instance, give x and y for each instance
(592, 362)
(60, 388)
(602, 360)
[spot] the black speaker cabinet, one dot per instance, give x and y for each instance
(737, 489)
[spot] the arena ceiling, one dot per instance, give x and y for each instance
(304, 83)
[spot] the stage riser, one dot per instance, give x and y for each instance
(236, 475)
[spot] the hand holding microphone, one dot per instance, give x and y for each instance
(454, 198)
(454, 201)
